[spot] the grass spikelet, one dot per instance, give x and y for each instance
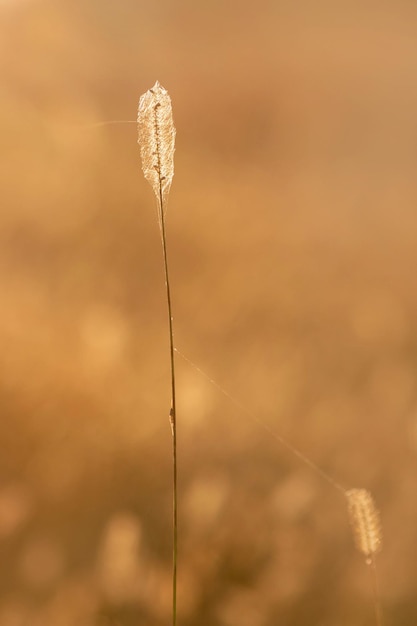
(156, 137)
(365, 522)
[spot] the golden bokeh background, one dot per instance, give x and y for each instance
(292, 232)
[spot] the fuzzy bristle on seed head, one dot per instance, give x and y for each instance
(156, 137)
(365, 522)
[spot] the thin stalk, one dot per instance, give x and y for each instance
(172, 414)
(375, 592)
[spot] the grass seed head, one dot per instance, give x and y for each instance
(365, 522)
(156, 137)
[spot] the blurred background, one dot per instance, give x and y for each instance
(292, 232)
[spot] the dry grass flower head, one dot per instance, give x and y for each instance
(365, 522)
(156, 137)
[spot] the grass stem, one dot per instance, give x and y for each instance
(172, 414)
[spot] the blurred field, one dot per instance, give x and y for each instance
(293, 245)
